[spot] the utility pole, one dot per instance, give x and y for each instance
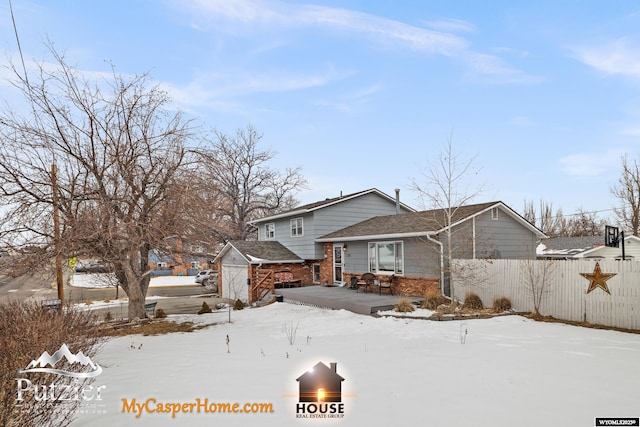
(56, 234)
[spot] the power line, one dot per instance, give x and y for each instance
(15, 30)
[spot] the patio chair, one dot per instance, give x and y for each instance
(366, 281)
(386, 284)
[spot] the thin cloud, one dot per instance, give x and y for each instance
(456, 25)
(618, 57)
(210, 89)
(382, 30)
(352, 103)
(589, 164)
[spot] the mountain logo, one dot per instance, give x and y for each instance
(40, 364)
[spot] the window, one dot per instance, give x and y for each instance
(270, 231)
(195, 265)
(162, 265)
(316, 273)
(296, 227)
(386, 257)
(197, 249)
(494, 213)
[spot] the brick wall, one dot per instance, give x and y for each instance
(414, 286)
(407, 286)
(326, 265)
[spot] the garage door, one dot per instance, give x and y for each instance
(234, 282)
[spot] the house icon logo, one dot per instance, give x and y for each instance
(320, 392)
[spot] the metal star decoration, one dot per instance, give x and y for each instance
(598, 279)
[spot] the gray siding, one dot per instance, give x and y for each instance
(299, 245)
(504, 238)
(327, 220)
(421, 257)
(232, 257)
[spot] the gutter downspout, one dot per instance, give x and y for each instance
(439, 243)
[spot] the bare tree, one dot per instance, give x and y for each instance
(446, 185)
(537, 278)
(239, 185)
(119, 153)
(628, 192)
(584, 223)
(552, 224)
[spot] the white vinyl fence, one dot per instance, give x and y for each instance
(560, 287)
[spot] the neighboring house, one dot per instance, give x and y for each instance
(631, 250)
(412, 247)
(588, 247)
(179, 258)
(296, 230)
(567, 247)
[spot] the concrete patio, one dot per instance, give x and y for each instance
(341, 298)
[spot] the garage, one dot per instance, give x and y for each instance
(234, 282)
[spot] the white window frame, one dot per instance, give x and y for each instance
(195, 265)
(296, 226)
(270, 231)
(495, 213)
(374, 267)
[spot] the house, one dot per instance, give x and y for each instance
(179, 257)
(296, 231)
(631, 250)
(241, 260)
(413, 250)
(567, 247)
(587, 247)
(320, 384)
(369, 231)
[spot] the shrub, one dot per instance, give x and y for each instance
(108, 317)
(238, 305)
(433, 299)
(204, 309)
(404, 305)
(501, 304)
(472, 301)
(27, 331)
(160, 314)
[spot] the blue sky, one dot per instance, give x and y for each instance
(365, 94)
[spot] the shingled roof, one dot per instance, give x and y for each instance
(327, 202)
(414, 224)
(261, 252)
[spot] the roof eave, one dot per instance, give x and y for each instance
(374, 237)
(283, 261)
(333, 202)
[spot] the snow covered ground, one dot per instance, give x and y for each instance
(107, 280)
(510, 371)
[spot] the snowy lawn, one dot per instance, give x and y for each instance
(108, 280)
(511, 371)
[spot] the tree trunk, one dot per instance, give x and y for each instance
(136, 303)
(135, 288)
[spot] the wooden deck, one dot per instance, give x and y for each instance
(338, 298)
